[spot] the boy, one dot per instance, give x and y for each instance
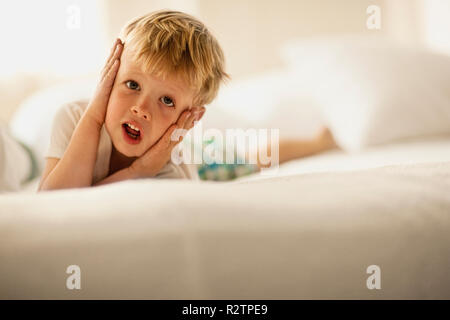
(158, 80)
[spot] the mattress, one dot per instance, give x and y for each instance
(306, 234)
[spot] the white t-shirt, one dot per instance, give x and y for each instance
(64, 124)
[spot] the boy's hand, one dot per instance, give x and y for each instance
(99, 102)
(155, 158)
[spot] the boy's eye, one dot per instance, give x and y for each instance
(167, 101)
(133, 85)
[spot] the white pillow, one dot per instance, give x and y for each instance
(32, 122)
(267, 100)
(15, 163)
(13, 90)
(371, 91)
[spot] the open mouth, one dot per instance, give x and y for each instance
(131, 133)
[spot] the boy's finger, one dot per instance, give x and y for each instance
(177, 136)
(111, 54)
(173, 136)
(164, 142)
(113, 71)
(183, 118)
(116, 55)
(170, 137)
(117, 43)
(108, 80)
(196, 116)
(190, 118)
(111, 51)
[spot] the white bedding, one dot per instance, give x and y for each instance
(302, 234)
(418, 150)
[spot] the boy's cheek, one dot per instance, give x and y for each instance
(113, 115)
(110, 122)
(110, 112)
(116, 104)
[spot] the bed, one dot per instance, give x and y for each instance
(309, 231)
(313, 228)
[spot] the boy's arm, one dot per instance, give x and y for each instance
(290, 149)
(124, 174)
(76, 167)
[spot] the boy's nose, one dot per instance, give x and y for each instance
(141, 112)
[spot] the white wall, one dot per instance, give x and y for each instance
(436, 24)
(36, 39)
(251, 31)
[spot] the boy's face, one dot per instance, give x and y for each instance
(145, 102)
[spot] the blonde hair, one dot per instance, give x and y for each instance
(175, 43)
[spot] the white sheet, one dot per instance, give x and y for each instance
(434, 149)
(297, 236)
(431, 149)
